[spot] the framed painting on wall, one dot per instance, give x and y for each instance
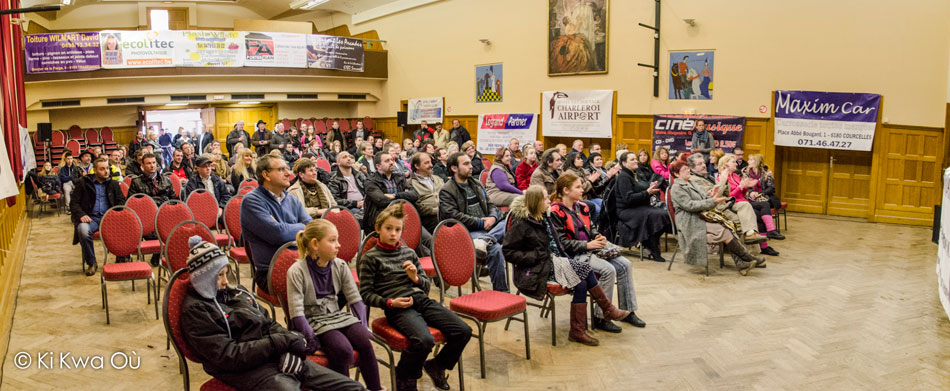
(577, 37)
(488, 83)
(691, 74)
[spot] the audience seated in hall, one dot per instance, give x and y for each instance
(740, 213)
(269, 216)
(346, 185)
(236, 341)
(501, 184)
(538, 257)
(428, 186)
(737, 186)
(695, 211)
(92, 196)
(526, 168)
(153, 184)
(464, 199)
(438, 165)
(382, 187)
(176, 168)
(391, 278)
(640, 221)
(244, 169)
(314, 195)
(574, 164)
(547, 171)
(764, 189)
(69, 174)
(313, 285)
(477, 166)
(661, 162)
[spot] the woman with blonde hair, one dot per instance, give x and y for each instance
(737, 187)
(244, 168)
(764, 189)
(313, 285)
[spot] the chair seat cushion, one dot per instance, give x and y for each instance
(556, 289)
(320, 359)
(488, 305)
(784, 205)
(126, 271)
(222, 239)
(394, 338)
(216, 385)
(266, 296)
(151, 246)
(427, 265)
(239, 254)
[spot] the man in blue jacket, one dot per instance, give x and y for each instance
(269, 218)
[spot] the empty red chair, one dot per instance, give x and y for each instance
(127, 180)
(483, 178)
(454, 256)
(75, 133)
(205, 208)
(344, 125)
(320, 127)
(121, 231)
(170, 214)
(323, 164)
(73, 146)
(171, 309)
(145, 208)
(368, 123)
(92, 138)
(105, 134)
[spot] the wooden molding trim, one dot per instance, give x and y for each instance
(11, 267)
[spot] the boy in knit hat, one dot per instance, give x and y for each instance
(391, 278)
(236, 341)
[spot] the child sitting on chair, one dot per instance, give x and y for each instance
(391, 278)
(236, 341)
(313, 283)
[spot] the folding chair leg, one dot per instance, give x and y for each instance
(461, 375)
(133, 286)
(553, 320)
(154, 285)
(673, 258)
(481, 346)
(105, 296)
(527, 337)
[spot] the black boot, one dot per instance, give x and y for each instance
(769, 251)
(634, 320)
(653, 246)
(605, 325)
(405, 384)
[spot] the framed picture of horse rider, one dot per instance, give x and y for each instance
(691, 74)
(577, 37)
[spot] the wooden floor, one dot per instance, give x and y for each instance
(849, 305)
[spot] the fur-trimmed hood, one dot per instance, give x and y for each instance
(519, 208)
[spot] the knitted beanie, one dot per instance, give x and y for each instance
(205, 260)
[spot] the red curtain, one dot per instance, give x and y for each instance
(11, 87)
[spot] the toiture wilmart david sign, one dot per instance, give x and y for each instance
(833, 120)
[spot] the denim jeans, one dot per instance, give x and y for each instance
(85, 239)
(497, 269)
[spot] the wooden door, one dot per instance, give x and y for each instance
(804, 179)
(226, 117)
(849, 187)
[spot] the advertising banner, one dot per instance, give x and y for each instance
(675, 132)
(332, 52)
(497, 130)
(833, 120)
(209, 49)
(62, 52)
(137, 49)
(943, 247)
(578, 114)
(425, 109)
(282, 50)
(8, 185)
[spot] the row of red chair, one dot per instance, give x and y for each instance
(321, 126)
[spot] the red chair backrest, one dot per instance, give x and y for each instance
(248, 182)
(245, 189)
(204, 206)
(305, 122)
(176, 248)
(75, 132)
(483, 178)
(232, 218)
(176, 183)
(121, 231)
(125, 189)
(353, 124)
(453, 253)
(92, 136)
(277, 274)
(286, 122)
(320, 127)
(669, 205)
(368, 123)
(175, 293)
(344, 125)
(297, 123)
(324, 164)
(58, 139)
(368, 243)
(73, 147)
(169, 215)
(349, 230)
(127, 180)
(412, 224)
(106, 134)
(145, 208)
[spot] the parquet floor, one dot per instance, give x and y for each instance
(849, 305)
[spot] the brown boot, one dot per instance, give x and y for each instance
(610, 312)
(578, 324)
(746, 260)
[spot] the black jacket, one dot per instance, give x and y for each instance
(238, 349)
(439, 169)
(339, 187)
(459, 135)
(630, 192)
(376, 199)
(221, 192)
(132, 169)
(164, 192)
(566, 223)
(527, 247)
(84, 198)
(453, 204)
(477, 165)
(188, 171)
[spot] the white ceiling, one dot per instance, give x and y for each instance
(269, 9)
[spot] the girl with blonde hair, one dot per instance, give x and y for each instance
(244, 168)
(313, 283)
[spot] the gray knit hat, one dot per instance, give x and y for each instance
(205, 260)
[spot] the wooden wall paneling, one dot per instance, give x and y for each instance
(634, 130)
(14, 227)
(908, 182)
(849, 183)
(387, 125)
(804, 179)
(226, 117)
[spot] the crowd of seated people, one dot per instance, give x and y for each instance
(573, 212)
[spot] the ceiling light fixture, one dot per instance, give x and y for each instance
(249, 103)
(307, 4)
(67, 2)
